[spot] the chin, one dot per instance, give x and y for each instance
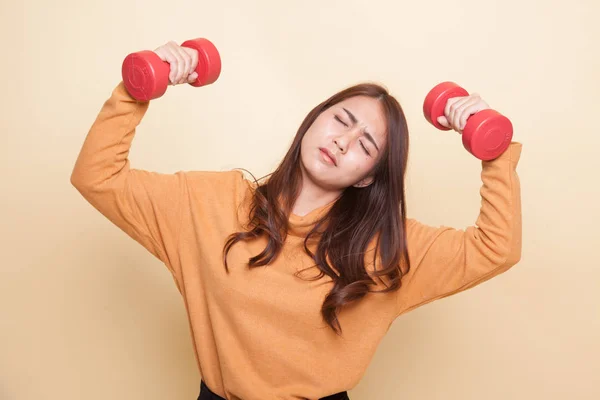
(324, 180)
(322, 175)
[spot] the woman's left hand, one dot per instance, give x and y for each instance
(459, 109)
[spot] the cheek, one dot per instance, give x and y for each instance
(311, 136)
(308, 139)
(322, 128)
(360, 164)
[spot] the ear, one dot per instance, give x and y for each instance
(364, 182)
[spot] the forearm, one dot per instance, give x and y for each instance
(499, 225)
(104, 154)
(445, 260)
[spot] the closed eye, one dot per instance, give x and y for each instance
(364, 148)
(340, 121)
(361, 143)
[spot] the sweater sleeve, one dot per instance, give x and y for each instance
(145, 205)
(445, 260)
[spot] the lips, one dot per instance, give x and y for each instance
(328, 155)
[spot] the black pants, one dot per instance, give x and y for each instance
(207, 394)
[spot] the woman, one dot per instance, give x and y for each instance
(290, 284)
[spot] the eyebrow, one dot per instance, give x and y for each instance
(367, 134)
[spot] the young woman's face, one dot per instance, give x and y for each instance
(344, 143)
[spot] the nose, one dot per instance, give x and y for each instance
(343, 141)
(341, 144)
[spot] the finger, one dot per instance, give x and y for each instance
(451, 114)
(477, 105)
(168, 57)
(192, 77)
(467, 112)
(160, 53)
(460, 117)
(175, 62)
(194, 56)
(443, 121)
(185, 66)
(449, 104)
(180, 71)
(171, 56)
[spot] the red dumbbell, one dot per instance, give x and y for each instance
(146, 76)
(486, 135)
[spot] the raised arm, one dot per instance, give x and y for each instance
(445, 260)
(146, 205)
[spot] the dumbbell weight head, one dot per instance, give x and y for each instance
(436, 99)
(146, 76)
(486, 135)
(209, 61)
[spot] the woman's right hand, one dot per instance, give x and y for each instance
(182, 60)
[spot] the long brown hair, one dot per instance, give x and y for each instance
(359, 217)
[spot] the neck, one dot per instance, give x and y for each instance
(312, 196)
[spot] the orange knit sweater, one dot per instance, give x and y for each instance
(258, 333)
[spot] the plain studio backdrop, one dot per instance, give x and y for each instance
(87, 313)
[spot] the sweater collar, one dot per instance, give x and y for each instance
(301, 225)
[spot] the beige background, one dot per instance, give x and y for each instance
(87, 313)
